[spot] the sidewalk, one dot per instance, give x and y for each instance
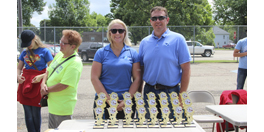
(214, 77)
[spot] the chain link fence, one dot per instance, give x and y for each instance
(216, 36)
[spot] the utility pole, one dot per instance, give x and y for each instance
(20, 19)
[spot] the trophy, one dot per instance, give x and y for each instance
(189, 115)
(153, 116)
(128, 110)
(177, 110)
(165, 110)
(178, 116)
(113, 111)
(137, 96)
(152, 110)
(141, 110)
(187, 105)
(99, 111)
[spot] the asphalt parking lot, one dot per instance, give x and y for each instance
(214, 77)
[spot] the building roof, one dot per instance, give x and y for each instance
(219, 31)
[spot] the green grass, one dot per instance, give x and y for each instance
(215, 61)
(223, 49)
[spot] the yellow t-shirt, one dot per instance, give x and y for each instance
(69, 73)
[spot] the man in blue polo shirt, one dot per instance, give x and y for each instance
(165, 59)
(241, 51)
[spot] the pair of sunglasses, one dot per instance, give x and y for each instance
(114, 31)
(158, 17)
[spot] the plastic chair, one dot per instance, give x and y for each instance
(204, 97)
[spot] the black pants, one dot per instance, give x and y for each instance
(120, 114)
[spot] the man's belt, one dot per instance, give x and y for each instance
(161, 87)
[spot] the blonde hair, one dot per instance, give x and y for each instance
(127, 41)
(39, 42)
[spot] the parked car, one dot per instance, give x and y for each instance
(51, 48)
(199, 49)
(88, 49)
(229, 46)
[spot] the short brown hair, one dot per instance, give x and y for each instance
(159, 8)
(73, 37)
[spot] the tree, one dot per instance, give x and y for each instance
(100, 19)
(232, 12)
(181, 12)
(71, 13)
(28, 7)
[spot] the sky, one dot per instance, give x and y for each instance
(99, 6)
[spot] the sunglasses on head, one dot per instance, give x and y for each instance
(114, 31)
(158, 17)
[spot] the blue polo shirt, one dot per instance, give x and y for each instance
(242, 47)
(162, 57)
(116, 71)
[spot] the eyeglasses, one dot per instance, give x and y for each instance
(114, 31)
(64, 43)
(158, 17)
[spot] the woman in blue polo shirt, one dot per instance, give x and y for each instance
(114, 65)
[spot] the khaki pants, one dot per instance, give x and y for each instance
(55, 120)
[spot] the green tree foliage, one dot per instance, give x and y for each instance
(181, 12)
(232, 12)
(71, 13)
(28, 7)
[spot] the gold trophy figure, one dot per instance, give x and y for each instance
(141, 115)
(165, 115)
(178, 115)
(126, 95)
(173, 95)
(98, 113)
(112, 110)
(141, 110)
(189, 115)
(100, 103)
(128, 111)
(164, 110)
(163, 95)
(102, 96)
(112, 115)
(114, 96)
(137, 96)
(187, 105)
(151, 95)
(153, 115)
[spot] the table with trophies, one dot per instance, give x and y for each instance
(185, 124)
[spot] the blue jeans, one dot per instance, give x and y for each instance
(32, 118)
(241, 77)
(148, 89)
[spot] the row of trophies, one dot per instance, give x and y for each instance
(141, 122)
